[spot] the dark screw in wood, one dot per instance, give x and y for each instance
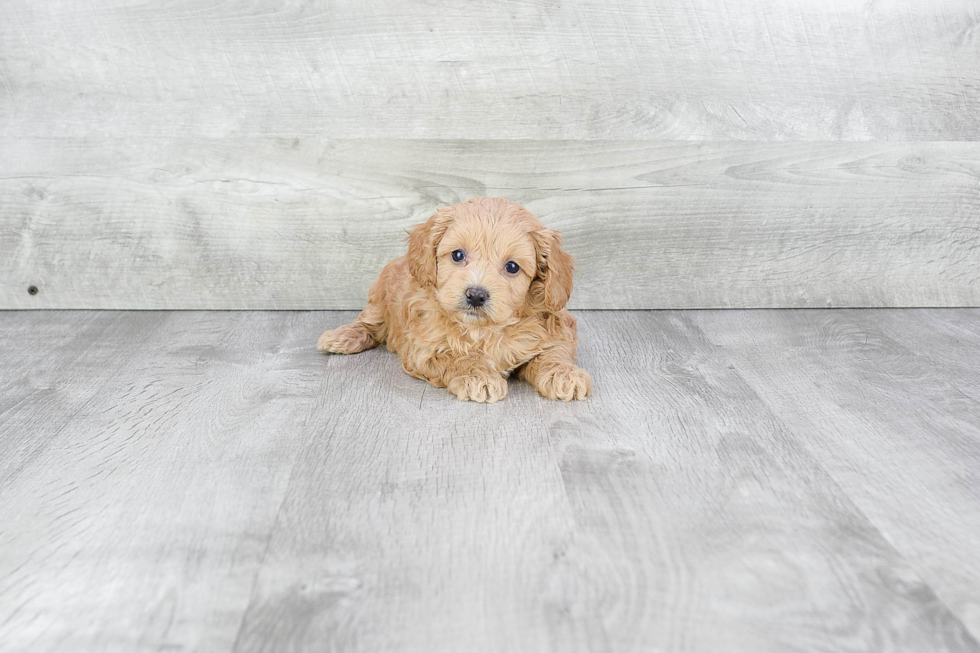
(32, 290)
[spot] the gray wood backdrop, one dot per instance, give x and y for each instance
(703, 153)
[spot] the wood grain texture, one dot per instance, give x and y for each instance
(949, 340)
(861, 402)
(308, 223)
(136, 516)
(31, 386)
(600, 69)
(225, 487)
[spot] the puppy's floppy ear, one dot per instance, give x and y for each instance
(555, 268)
(422, 243)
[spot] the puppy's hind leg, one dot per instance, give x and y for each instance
(352, 338)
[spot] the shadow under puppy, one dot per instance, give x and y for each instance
(480, 295)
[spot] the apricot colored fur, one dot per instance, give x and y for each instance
(418, 306)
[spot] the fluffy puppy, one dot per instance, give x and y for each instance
(480, 295)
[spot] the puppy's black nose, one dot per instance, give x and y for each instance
(476, 296)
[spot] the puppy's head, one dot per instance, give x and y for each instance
(489, 260)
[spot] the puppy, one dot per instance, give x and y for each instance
(481, 295)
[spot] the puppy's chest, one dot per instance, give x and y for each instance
(506, 349)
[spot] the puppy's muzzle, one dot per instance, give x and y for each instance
(476, 296)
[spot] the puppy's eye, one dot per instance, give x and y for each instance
(512, 268)
(458, 255)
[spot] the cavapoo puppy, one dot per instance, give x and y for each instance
(480, 296)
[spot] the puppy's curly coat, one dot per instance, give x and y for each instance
(480, 295)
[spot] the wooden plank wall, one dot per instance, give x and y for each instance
(270, 155)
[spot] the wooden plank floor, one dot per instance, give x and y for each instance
(740, 481)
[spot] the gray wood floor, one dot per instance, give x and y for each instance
(740, 481)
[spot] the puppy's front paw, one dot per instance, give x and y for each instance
(487, 389)
(348, 339)
(565, 382)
